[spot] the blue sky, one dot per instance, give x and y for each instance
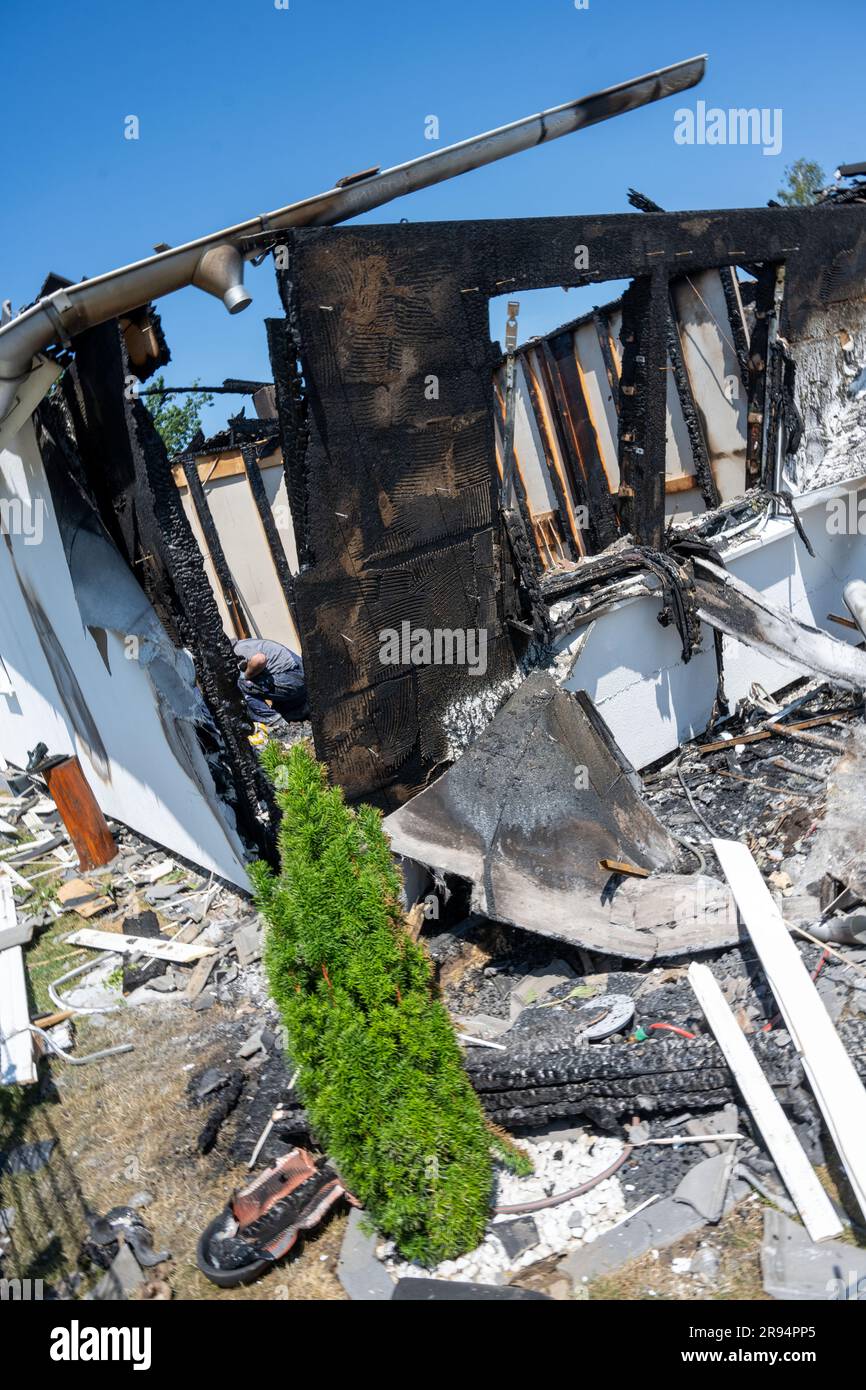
(244, 107)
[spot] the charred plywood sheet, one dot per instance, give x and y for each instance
(399, 511)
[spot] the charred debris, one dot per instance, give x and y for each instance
(571, 615)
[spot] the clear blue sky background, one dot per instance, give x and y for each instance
(244, 107)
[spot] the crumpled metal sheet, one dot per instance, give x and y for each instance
(519, 818)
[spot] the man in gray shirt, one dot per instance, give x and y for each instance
(273, 673)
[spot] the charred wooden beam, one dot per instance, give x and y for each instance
(294, 426)
(643, 408)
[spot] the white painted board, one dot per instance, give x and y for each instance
(829, 1070)
(797, 1173)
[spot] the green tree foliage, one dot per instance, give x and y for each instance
(380, 1069)
(803, 180)
(176, 423)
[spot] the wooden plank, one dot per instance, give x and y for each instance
(618, 866)
(179, 952)
(796, 1171)
(199, 977)
(680, 482)
(575, 408)
(763, 734)
(218, 466)
(80, 896)
(81, 814)
(49, 1020)
(829, 1070)
(546, 426)
(17, 1056)
(577, 441)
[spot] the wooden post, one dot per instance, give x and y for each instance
(87, 826)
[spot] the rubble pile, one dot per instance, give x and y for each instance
(599, 1067)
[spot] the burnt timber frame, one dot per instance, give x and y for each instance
(394, 490)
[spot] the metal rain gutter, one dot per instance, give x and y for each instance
(215, 263)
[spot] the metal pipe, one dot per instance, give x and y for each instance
(847, 930)
(63, 1004)
(66, 1056)
(215, 263)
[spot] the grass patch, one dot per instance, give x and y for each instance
(49, 956)
(737, 1243)
(380, 1069)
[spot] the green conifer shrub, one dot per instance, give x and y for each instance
(380, 1070)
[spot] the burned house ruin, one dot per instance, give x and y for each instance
(633, 506)
(554, 597)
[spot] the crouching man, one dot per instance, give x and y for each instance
(272, 682)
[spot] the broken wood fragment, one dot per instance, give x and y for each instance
(618, 866)
(758, 737)
(200, 976)
(801, 736)
(77, 895)
(415, 920)
(49, 1020)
